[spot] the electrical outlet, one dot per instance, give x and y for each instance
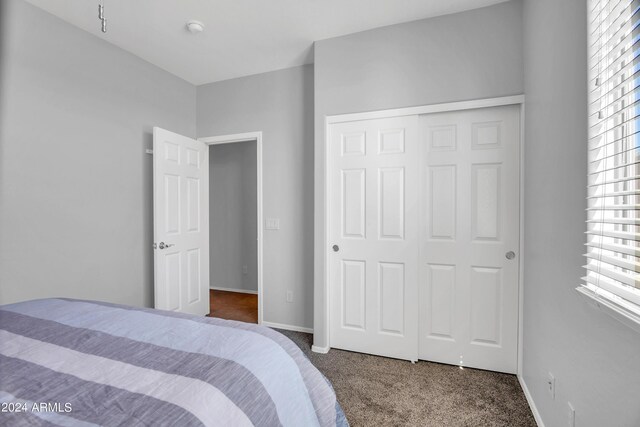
(571, 414)
(551, 385)
(289, 296)
(245, 269)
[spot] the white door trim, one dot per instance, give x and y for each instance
(257, 137)
(521, 257)
(425, 109)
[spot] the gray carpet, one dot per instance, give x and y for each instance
(377, 391)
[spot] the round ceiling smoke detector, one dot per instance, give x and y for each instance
(195, 26)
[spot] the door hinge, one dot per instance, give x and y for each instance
(149, 151)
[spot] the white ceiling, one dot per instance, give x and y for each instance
(242, 37)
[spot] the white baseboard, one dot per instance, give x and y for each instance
(241, 291)
(287, 327)
(322, 350)
(532, 404)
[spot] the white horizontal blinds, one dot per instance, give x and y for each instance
(613, 208)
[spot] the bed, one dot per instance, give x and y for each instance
(84, 363)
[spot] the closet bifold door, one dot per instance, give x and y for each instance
(374, 236)
(470, 238)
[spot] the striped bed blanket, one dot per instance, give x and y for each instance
(85, 363)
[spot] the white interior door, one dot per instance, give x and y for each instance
(180, 223)
(470, 238)
(374, 176)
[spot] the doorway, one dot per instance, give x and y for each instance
(235, 218)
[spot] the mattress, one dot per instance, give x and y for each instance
(84, 363)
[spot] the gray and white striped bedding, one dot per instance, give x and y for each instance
(85, 363)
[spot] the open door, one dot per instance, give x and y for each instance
(180, 223)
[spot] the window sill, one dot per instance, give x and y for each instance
(608, 305)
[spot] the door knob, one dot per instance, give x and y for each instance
(335, 248)
(164, 245)
(510, 255)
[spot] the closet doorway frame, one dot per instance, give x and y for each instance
(248, 137)
(411, 111)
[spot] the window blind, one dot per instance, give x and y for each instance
(613, 195)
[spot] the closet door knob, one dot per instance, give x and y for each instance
(335, 248)
(510, 255)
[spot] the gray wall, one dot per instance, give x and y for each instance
(463, 56)
(595, 359)
(280, 104)
(233, 216)
(75, 184)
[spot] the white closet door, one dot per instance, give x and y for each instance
(180, 223)
(470, 238)
(374, 176)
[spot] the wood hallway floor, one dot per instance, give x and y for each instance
(233, 306)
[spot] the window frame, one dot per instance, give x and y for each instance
(611, 288)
